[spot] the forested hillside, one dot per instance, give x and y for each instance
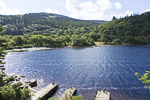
(39, 23)
(130, 30)
(42, 29)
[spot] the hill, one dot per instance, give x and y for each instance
(38, 23)
(130, 30)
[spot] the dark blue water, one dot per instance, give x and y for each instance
(87, 69)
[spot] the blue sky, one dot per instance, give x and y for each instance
(80, 9)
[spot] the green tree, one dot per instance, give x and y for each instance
(105, 38)
(144, 78)
(130, 40)
(2, 55)
(37, 40)
(114, 18)
(18, 41)
(117, 41)
(48, 40)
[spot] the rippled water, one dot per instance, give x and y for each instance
(87, 69)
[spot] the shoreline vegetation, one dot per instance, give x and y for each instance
(10, 87)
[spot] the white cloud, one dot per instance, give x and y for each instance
(104, 4)
(51, 11)
(147, 10)
(2, 5)
(98, 10)
(71, 4)
(4, 10)
(126, 1)
(88, 9)
(117, 5)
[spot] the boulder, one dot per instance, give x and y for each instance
(17, 77)
(33, 83)
(2, 68)
(1, 65)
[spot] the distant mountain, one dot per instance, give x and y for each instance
(39, 23)
(97, 21)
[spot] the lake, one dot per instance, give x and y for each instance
(88, 69)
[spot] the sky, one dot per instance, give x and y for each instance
(79, 9)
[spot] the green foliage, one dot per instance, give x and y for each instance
(117, 41)
(105, 38)
(13, 92)
(40, 23)
(52, 99)
(130, 30)
(144, 78)
(9, 79)
(7, 93)
(2, 47)
(2, 55)
(2, 75)
(49, 41)
(10, 92)
(129, 40)
(37, 40)
(18, 41)
(79, 97)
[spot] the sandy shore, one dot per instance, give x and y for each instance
(31, 49)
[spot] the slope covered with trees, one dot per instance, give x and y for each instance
(39, 23)
(130, 30)
(42, 29)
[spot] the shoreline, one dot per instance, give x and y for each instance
(52, 48)
(30, 49)
(44, 48)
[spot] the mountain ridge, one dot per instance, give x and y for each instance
(41, 22)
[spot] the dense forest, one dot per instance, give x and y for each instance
(39, 23)
(130, 30)
(51, 30)
(43, 29)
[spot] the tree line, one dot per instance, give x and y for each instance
(130, 30)
(47, 40)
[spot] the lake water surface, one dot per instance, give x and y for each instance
(88, 69)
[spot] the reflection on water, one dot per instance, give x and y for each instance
(87, 69)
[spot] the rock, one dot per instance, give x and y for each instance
(17, 77)
(22, 76)
(1, 65)
(2, 68)
(33, 83)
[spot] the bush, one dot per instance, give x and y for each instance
(52, 99)
(18, 47)
(14, 92)
(79, 97)
(9, 79)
